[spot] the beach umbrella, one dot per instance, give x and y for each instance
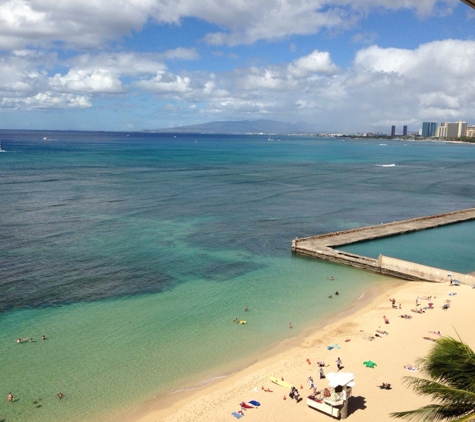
(369, 364)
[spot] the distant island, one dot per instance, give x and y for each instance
(268, 127)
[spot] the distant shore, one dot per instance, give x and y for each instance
(355, 332)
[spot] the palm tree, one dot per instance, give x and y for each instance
(450, 371)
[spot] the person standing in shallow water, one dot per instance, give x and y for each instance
(10, 397)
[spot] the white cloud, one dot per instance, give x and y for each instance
(46, 100)
(166, 83)
(91, 23)
(98, 80)
(318, 62)
(82, 23)
(76, 68)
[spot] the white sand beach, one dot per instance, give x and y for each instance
(357, 338)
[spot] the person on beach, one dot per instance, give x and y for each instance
(310, 381)
(313, 386)
(417, 301)
(10, 397)
(338, 363)
(322, 374)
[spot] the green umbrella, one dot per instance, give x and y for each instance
(369, 364)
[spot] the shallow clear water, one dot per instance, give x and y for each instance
(448, 247)
(133, 254)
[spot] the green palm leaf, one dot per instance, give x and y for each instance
(450, 371)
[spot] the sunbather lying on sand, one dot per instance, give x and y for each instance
(385, 386)
(418, 311)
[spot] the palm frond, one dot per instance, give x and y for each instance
(450, 371)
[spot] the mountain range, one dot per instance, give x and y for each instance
(242, 127)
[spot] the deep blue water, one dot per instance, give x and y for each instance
(125, 249)
(84, 213)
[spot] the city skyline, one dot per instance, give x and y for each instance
(143, 65)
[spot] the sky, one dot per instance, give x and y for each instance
(340, 65)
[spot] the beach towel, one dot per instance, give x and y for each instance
(369, 364)
(255, 403)
(236, 415)
(246, 406)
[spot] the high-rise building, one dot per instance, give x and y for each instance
(452, 130)
(429, 129)
(393, 131)
(404, 130)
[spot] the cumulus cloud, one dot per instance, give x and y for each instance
(166, 83)
(98, 80)
(56, 55)
(46, 100)
(318, 62)
(91, 23)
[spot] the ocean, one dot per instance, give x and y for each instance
(132, 253)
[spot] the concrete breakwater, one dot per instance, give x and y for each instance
(324, 247)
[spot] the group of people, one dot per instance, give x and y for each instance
(294, 394)
(23, 340)
(11, 398)
(393, 304)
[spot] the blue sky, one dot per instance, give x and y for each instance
(340, 65)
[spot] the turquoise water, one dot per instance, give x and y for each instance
(133, 253)
(448, 247)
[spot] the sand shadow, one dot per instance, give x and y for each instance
(356, 403)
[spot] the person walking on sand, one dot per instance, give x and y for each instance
(10, 397)
(338, 363)
(322, 374)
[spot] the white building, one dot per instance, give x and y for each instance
(471, 131)
(451, 130)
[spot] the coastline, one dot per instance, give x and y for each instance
(404, 343)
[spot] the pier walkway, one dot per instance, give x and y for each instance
(324, 247)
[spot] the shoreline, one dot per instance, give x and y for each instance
(407, 340)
